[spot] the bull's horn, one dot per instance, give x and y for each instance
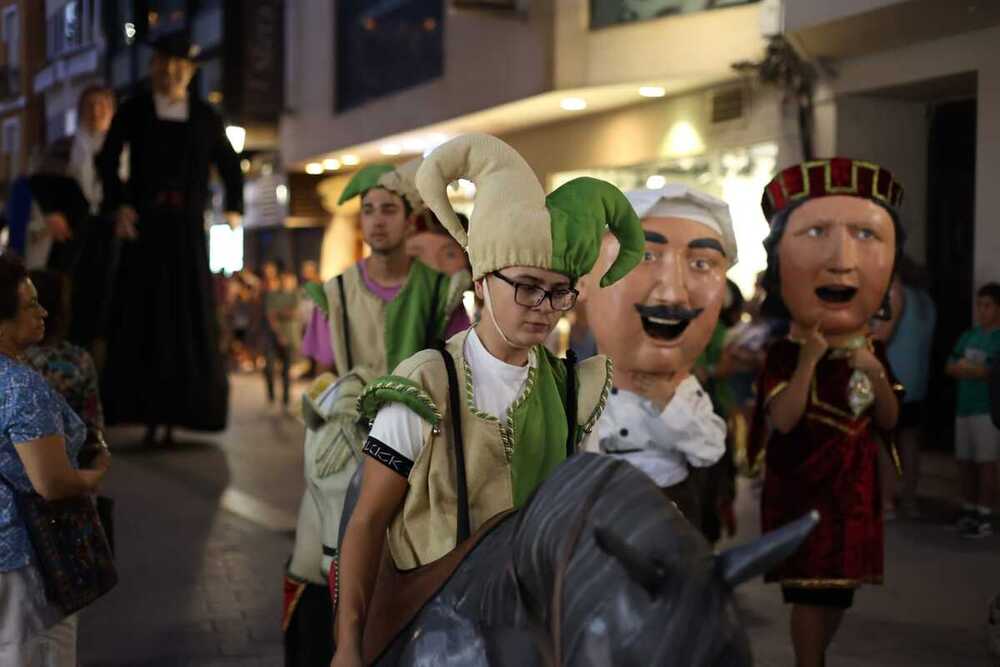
(742, 563)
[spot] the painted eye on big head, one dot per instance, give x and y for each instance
(702, 265)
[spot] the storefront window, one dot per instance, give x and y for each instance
(604, 13)
(385, 47)
(737, 176)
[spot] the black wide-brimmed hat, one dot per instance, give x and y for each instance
(177, 44)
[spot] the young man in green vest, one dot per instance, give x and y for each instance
(380, 311)
(513, 400)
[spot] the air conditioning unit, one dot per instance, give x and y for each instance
(727, 105)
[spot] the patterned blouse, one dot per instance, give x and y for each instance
(70, 371)
(29, 409)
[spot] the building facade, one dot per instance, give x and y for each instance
(22, 120)
(75, 48)
(634, 92)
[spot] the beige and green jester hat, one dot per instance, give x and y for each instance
(398, 180)
(515, 224)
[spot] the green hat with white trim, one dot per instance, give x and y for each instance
(515, 224)
(398, 180)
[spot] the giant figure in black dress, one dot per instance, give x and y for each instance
(164, 366)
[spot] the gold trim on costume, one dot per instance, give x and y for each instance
(833, 423)
(829, 583)
(778, 388)
(507, 436)
(602, 402)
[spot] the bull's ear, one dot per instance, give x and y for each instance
(742, 563)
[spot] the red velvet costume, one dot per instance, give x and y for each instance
(828, 462)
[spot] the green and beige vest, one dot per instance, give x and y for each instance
(381, 333)
(505, 459)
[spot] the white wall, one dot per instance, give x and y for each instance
(971, 52)
(891, 133)
(676, 49)
(639, 134)
(490, 59)
(800, 14)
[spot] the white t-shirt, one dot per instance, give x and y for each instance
(167, 109)
(495, 386)
(662, 444)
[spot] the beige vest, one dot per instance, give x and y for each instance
(425, 527)
(366, 318)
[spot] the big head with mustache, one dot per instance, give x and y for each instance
(660, 317)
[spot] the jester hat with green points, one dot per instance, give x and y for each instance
(515, 224)
(398, 180)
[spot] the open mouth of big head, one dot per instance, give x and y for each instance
(836, 293)
(666, 323)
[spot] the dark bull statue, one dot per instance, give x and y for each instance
(597, 569)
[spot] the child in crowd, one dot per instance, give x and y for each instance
(977, 440)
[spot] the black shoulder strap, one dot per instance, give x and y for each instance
(344, 320)
(461, 486)
(570, 362)
(431, 334)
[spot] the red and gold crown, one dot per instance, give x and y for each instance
(833, 176)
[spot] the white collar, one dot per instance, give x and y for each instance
(167, 109)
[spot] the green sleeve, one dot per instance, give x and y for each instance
(397, 389)
(316, 294)
(713, 351)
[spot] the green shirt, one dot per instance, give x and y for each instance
(982, 348)
(719, 390)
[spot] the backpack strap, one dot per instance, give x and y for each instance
(570, 362)
(431, 334)
(344, 320)
(462, 487)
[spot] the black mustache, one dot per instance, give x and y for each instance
(668, 312)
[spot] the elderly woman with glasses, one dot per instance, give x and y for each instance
(515, 403)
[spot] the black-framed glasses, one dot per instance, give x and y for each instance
(531, 296)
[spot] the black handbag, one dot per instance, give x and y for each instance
(72, 551)
(105, 505)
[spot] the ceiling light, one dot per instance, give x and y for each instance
(350, 160)
(414, 145)
(573, 103)
(314, 168)
(391, 149)
(432, 141)
(652, 91)
(331, 164)
(656, 181)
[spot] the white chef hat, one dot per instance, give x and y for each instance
(680, 201)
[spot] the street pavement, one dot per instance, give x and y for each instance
(204, 529)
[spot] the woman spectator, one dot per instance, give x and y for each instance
(40, 437)
(68, 369)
